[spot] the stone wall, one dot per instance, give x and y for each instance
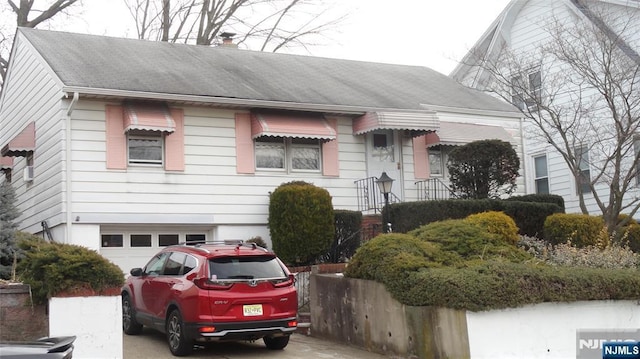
(19, 320)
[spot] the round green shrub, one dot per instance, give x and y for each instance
(631, 237)
(389, 254)
(54, 268)
(301, 222)
(469, 241)
(580, 229)
(496, 223)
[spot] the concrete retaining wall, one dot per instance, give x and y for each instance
(363, 313)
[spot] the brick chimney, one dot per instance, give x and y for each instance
(227, 40)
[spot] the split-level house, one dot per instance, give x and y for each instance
(523, 29)
(125, 146)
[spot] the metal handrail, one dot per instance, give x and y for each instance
(368, 196)
(434, 189)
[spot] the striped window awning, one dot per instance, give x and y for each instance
(458, 134)
(418, 123)
(6, 163)
(288, 125)
(148, 117)
(22, 144)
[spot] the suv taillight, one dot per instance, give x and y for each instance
(206, 283)
(284, 282)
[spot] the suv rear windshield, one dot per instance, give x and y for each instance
(258, 267)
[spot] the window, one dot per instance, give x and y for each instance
(145, 148)
(383, 147)
(541, 174)
(294, 154)
(112, 240)
(584, 176)
(156, 264)
(174, 264)
(140, 240)
(167, 240)
(436, 163)
(526, 91)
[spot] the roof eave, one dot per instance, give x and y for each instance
(237, 102)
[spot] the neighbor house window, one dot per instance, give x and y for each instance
(145, 148)
(541, 174)
(530, 83)
(291, 154)
(436, 163)
(584, 176)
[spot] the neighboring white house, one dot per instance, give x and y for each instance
(125, 146)
(523, 28)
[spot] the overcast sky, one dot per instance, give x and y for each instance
(432, 33)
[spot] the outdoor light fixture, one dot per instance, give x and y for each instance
(384, 184)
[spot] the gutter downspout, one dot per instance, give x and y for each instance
(70, 109)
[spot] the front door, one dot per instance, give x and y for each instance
(384, 155)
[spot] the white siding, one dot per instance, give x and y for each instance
(32, 94)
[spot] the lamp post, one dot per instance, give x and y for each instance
(384, 184)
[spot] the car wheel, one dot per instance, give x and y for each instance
(276, 343)
(178, 342)
(129, 323)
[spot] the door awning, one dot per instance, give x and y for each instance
(23, 144)
(458, 134)
(286, 125)
(148, 117)
(6, 163)
(418, 123)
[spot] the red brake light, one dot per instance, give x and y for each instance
(284, 282)
(205, 283)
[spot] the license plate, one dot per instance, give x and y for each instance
(252, 310)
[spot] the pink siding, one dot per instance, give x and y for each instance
(330, 162)
(245, 159)
(174, 143)
(116, 138)
(420, 158)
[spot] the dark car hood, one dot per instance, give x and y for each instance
(37, 348)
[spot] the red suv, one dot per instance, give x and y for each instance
(209, 292)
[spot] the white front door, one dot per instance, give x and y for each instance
(384, 155)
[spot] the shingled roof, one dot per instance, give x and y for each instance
(99, 62)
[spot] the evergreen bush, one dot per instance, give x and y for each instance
(54, 268)
(540, 198)
(9, 251)
(580, 230)
(347, 238)
(301, 222)
(497, 223)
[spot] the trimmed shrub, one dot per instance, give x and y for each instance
(469, 241)
(530, 216)
(388, 255)
(54, 268)
(580, 230)
(496, 223)
(258, 241)
(631, 237)
(496, 285)
(540, 198)
(301, 222)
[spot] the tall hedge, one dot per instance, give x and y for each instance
(539, 198)
(347, 238)
(529, 216)
(301, 222)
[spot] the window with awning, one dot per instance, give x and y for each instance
(148, 117)
(289, 125)
(417, 123)
(458, 134)
(23, 144)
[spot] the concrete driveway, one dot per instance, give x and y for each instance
(151, 344)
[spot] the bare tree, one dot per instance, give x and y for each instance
(267, 25)
(579, 91)
(27, 14)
